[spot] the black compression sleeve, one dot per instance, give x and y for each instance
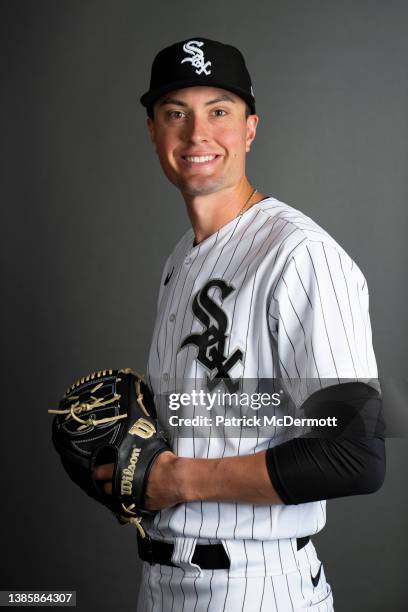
(310, 469)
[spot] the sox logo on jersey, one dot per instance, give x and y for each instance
(211, 342)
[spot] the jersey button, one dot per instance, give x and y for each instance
(165, 376)
(187, 261)
(172, 317)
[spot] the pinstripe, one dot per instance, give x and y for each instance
(211, 593)
(300, 573)
(171, 590)
(274, 595)
(348, 298)
(161, 586)
(308, 559)
(292, 345)
(165, 589)
(176, 599)
(236, 520)
(292, 546)
(196, 593)
(315, 362)
(245, 594)
(365, 331)
(151, 594)
(182, 590)
(280, 557)
(298, 318)
(283, 368)
(301, 282)
(290, 597)
(144, 591)
(324, 318)
(226, 593)
(340, 311)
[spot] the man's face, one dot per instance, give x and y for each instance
(201, 136)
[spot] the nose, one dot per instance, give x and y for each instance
(197, 129)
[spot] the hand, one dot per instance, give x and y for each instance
(162, 489)
(105, 473)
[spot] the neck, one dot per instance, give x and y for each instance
(208, 213)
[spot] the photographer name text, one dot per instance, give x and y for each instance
(251, 421)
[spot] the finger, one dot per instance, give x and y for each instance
(108, 488)
(104, 472)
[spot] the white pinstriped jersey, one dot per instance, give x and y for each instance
(275, 296)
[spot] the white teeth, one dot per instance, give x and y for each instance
(199, 160)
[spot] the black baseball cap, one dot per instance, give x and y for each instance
(199, 61)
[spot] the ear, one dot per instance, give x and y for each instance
(251, 125)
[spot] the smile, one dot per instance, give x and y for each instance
(199, 159)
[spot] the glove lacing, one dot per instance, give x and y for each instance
(78, 407)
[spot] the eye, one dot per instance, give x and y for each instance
(220, 112)
(176, 114)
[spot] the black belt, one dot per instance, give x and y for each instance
(206, 556)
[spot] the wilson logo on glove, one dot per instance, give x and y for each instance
(95, 424)
(142, 428)
(127, 476)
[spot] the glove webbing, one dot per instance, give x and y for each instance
(78, 407)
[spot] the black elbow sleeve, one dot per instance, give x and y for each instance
(320, 466)
(372, 475)
(310, 469)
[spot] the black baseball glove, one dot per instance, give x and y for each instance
(109, 417)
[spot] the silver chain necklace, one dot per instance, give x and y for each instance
(241, 212)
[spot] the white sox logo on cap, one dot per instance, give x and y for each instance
(198, 61)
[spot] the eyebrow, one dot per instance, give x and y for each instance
(222, 98)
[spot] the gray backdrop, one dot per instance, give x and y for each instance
(89, 219)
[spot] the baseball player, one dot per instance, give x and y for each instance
(253, 290)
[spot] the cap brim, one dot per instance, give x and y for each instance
(150, 97)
